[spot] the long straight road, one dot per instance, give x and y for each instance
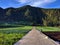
(35, 37)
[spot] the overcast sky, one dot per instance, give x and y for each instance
(36, 3)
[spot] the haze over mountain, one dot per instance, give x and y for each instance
(29, 15)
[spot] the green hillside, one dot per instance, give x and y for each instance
(28, 15)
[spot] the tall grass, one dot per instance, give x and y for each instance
(9, 36)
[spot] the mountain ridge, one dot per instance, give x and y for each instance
(30, 6)
(33, 15)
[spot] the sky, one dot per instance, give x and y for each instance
(35, 3)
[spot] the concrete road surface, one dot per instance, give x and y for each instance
(35, 37)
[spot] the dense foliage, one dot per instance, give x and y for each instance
(10, 39)
(9, 36)
(28, 15)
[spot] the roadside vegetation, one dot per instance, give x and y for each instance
(9, 36)
(48, 29)
(12, 34)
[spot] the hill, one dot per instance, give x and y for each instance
(28, 15)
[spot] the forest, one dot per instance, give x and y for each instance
(28, 15)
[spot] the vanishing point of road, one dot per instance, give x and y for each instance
(35, 37)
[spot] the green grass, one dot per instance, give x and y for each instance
(48, 29)
(17, 28)
(9, 36)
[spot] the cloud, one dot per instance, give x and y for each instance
(36, 2)
(23, 1)
(42, 3)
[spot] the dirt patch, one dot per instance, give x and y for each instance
(54, 35)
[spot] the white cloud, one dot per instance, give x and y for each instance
(49, 1)
(23, 1)
(36, 2)
(42, 2)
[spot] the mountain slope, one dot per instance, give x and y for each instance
(31, 16)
